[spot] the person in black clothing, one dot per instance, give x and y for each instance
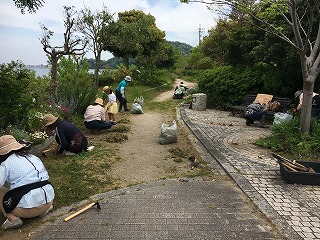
(255, 111)
(67, 135)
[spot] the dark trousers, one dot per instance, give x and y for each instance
(97, 125)
(77, 144)
(122, 101)
(315, 111)
(255, 116)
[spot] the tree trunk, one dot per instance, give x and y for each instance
(54, 80)
(305, 118)
(309, 78)
(96, 70)
(126, 62)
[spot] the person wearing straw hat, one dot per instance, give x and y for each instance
(94, 117)
(70, 139)
(121, 93)
(25, 191)
(112, 106)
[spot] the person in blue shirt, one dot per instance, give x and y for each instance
(121, 93)
(25, 191)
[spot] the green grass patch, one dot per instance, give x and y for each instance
(287, 140)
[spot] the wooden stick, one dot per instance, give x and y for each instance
(45, 152)
(300, 166)
(80, 211)
(287, 166)
(304, 169)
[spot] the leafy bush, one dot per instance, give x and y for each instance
(15, 131)
(224, 85)
(75, 89)
(21, 92)
(151, 77)
(286, 137)
(106, 77)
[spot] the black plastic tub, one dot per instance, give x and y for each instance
(306, 178)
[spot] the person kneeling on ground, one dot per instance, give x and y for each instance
(180, 91)
(67, 135)
(255, 111)
(94, 117)
(29, 193)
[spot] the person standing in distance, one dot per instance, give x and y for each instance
(121, 93)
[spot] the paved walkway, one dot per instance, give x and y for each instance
(197, 209)
(294, 209)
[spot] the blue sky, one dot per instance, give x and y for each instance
(19, 34)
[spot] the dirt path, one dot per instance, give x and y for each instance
(143, 158)
(167, 95)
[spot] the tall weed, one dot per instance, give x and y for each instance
(286, 138)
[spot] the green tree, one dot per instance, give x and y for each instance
(303, 20)
(135, 33)
(31, 5)
(91, 24)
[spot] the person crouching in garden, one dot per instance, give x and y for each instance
(69, 137)
(94, 117)
(255, 111)
(112, 106)
(28, 193)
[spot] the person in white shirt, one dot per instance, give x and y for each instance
(94, 117)
(25, 191)
(315, 110)
(112, 106)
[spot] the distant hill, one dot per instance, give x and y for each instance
(184, 49)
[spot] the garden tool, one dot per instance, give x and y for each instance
(47, 152)
(82, 210)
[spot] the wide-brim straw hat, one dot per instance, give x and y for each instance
(106, 88)
(8, 143)
(128, 78)
(99, 101)
(49, 119)
(297, 94)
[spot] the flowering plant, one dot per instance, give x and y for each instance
(38, 137)
(63, 108)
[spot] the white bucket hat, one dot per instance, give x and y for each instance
(128, 79)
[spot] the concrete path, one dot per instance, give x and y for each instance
(197, 209)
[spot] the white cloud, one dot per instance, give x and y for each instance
(20, 33)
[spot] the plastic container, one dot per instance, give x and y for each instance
(306, 178)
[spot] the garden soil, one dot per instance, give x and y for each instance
(143, 159)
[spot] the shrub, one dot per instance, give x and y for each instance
(224, 85)
(75, 89)
(23, 90)
(286, 137)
